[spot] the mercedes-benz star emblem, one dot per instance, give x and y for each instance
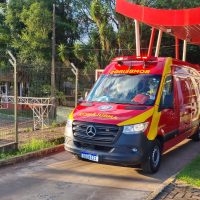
(91, 131)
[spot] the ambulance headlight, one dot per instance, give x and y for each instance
(135, 128)
(68, 128)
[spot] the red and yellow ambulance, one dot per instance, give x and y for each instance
(138, 109)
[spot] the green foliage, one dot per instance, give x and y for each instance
(125, 34)
(61, 52)
(39, 87)
(46, 90)
(80, 52)
(33, 145)
(191, 173)
(168, 4)
(26, 29)
(176, 4)
(193, 54)
(4, 36)
(61, 98)
(4, 31)
(33, 42)
(54, 124)
(88, 57)
(100, 15)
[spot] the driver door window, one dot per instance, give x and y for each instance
(167, 98)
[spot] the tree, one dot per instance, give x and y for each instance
(176, 4)
(4, 36)
(108, 33)
(3, 29)
(30, 28)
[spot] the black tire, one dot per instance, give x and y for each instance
(196, 136)
(152, 162)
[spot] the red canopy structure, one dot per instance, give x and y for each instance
(183, 24)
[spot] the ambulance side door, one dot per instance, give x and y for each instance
(169, 120)
(184, 96)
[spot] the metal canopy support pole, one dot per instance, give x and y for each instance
(184, 50)
(177, 47)
(153, 32)
(13, 62)
(75, 71)
(158, 43)
(137, 37)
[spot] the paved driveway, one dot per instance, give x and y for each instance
(63, 177)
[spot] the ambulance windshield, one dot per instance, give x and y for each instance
(126, 89)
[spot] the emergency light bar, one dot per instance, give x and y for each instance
(134, 58)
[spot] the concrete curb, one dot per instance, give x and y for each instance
(32, 155)
(160, 189)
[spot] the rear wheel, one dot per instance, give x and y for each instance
(196, 136)
(152, 162)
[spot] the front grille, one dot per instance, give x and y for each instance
(105, 133)
(93, 147)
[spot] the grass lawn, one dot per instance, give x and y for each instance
(21, 113)
(34, 145)
(191, 173)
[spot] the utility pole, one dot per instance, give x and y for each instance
(53, 84)
(13, 62)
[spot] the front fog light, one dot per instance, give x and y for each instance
(69, 123)
(136, 128)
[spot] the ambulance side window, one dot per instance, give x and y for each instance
(167, 98)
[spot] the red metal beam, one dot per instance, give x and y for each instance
(185, 17)
(153, 32)
(183, 24)
(177, 47)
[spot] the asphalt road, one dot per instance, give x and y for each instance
(63, 177)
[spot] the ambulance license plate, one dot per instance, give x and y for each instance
(88, 156)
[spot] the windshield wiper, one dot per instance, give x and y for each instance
(125, 102)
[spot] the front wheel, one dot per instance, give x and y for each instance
(152, 162)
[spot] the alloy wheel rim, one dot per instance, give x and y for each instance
(156, 156)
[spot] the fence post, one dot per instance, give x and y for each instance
(13, 62)
(75, 71)
(53, 84)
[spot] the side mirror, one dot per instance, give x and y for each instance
(167, 102)
(80, 100)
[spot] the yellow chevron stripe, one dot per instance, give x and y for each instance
(153, 130)
(138, 119)
(71, 115)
